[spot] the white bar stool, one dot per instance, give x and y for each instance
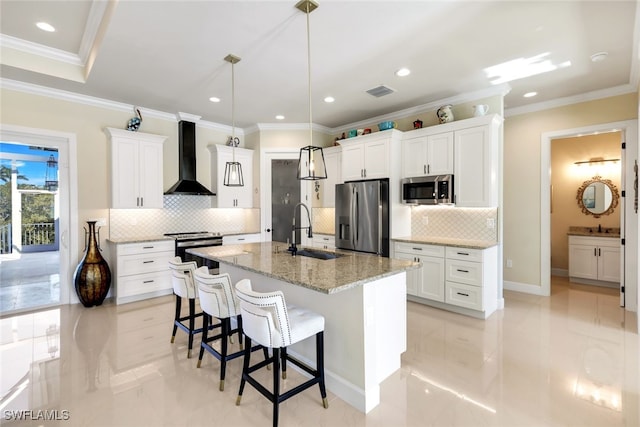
(268, 321)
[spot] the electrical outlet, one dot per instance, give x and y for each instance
(509, 263)
(491, 223)
(425, 220)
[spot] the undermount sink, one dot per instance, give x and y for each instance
(318, 254)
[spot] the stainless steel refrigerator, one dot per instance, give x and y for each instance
(362, 216)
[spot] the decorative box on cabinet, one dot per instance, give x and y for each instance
(237, 239)
(231, 197)
(136, 169)
(424, 154)
(594, 259)
(142, 270)
(369, 156)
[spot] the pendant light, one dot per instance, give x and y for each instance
(311, 164)
(233, 170)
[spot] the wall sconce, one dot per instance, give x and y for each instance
(596, 160)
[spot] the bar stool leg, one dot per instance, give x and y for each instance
(320, 367)
(276, 385)
(205, 329)
(177, 318)
(192, 324)
(283, 361)
(226, 327)
(245, 368)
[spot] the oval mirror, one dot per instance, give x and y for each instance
(597, 197)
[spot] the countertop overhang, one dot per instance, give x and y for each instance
(329, 276)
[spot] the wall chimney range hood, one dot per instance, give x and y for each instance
(187, 184)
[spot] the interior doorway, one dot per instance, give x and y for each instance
(281, 191)
(628, 223)
(36, 270)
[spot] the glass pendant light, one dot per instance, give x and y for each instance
(311, 164)
(233, 170)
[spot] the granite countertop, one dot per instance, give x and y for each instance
(327, 276)
(139, 239)
(446, 241)
(613, 232)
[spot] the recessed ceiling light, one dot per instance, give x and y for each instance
(329, 99)
(402, 72)
(600, 56)
(45, 27)
(530, 94)
(279, 117)
(214, 99)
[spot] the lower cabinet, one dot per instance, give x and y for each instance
(238, 239)
(452, 277)
(324, 241)
(142, 270)
(596, 259)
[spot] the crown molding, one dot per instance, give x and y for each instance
(37, 49)
(292, 126)
(500, 90)
(561, 102)
(94, 21)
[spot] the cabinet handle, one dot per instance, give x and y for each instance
(464, 295)
(595, 253)
(241, 238)
(417, 249)
(148, 281)
(137, 201)
(462, 271)
(425, 169)
(147, 262)
(599, 252)
(428, 169)
(141, 201)
(463, 253)
(147, 247)
(365, 173)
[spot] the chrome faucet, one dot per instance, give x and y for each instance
(293, 249)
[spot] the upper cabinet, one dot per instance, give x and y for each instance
(427, 155)
(368, 156)
(136, 169)
(324, 191)
(468, 149)
(476, 167)
(231, 197)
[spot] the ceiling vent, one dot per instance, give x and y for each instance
(381, 90)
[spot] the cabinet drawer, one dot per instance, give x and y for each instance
(241, 238)
(420, 249)
(144, 263)
(143, 283)
(463, 295)
(466, 272)
(464, 254)
(146, 247)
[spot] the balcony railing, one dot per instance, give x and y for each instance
(35, 234)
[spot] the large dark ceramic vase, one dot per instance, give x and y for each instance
(92, 277)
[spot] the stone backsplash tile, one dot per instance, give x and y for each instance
(182, 214)
(324, 220)
(454, 222)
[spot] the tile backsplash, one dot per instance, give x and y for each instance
(454, 222)
(324, 220)
(182, 214)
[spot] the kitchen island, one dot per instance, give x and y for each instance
(363, 300)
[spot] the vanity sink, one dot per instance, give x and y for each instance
(318, 254)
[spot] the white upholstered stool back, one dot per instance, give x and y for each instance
(268, 321)
(217, 297)
(182, 277)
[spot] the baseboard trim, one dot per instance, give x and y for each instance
(524, 288)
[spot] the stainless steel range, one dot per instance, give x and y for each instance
(196, 239)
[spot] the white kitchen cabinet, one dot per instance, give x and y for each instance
(142, 270)
(366, 157)
(231, 197)
(427, 154)
(332, 159)
(429, 281)
(594, 259)
(236, 239)
(136, 169)
(476, 167)
(323, 241)
(463, 280)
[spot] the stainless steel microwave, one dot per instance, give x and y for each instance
(428, 190)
